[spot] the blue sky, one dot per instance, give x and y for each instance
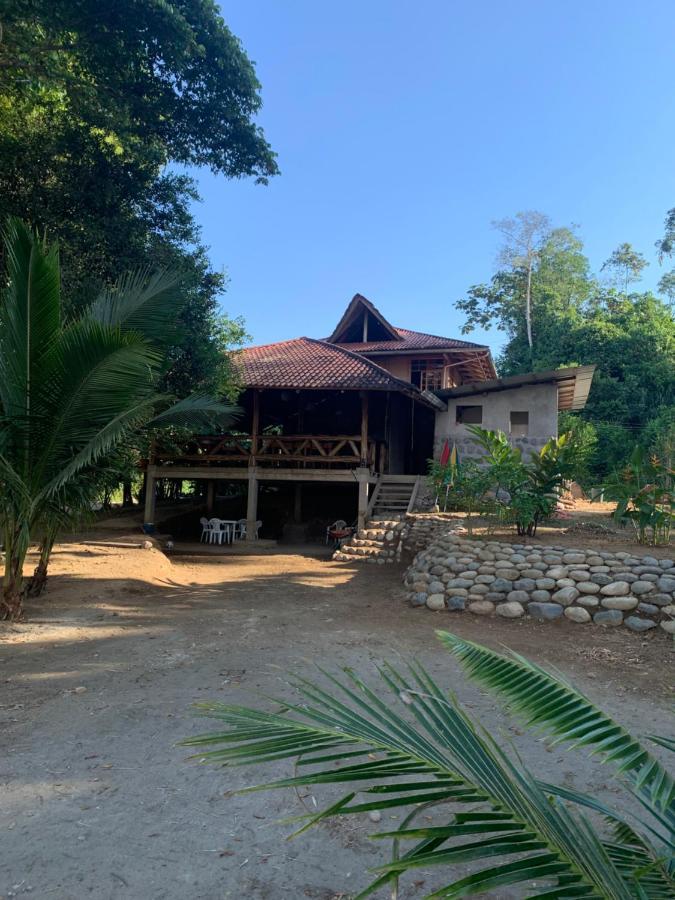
(404, 128)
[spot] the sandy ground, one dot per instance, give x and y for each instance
(96, 799)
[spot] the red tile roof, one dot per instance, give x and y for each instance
(311, 364)
(413, 340)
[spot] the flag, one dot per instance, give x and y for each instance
(445, 454)
(454, 463)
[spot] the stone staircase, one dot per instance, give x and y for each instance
(380, 540)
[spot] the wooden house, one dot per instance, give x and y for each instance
(361, 408)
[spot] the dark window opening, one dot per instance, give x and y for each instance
(520, 423)
(469, 415)
(427, 374)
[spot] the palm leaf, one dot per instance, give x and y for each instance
(197, 410)
(145, 301)
(437, 755)
(560, 709)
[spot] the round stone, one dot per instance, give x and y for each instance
(648, 609)
(566, 582)
(588, 587)
(609, 617)
(480, 589)
(601, 579)
(419, 598)
(667, 584)
(595, 561)
(456, 603)
(577, 614)
(649, 561)
(545, 584)
(622, 603)
(485, 579)
(558, 572)
(615, 589)
(540, 596)
(660, 599)
(495, 596)
(565, 596)
(518, 597)
(635, 623)
(545, 611)
(641, 587)
(524, 584)
(510, 610)
(630, 577)
(666, 563)
(588, 600)
(501, 585)
(574, 558)
(669, 626)
(482, 607)
(436, 602)
(579, 574)
(436, 587)
(468, 574)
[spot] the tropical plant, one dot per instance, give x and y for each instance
(72, 390)
(415, 749)
(645, 494)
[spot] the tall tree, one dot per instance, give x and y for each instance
(96, 104)
(523, 237)
(625, 266)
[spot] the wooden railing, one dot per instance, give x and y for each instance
(309, 451)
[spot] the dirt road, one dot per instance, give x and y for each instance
(98, 801)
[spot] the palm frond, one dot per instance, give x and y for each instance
(555, 706)
(197, 410)
(435, 755)
(145, 301)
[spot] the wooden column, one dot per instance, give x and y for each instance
(255, 426)
(150, 492)
(364, 428)
(297, 503)
(362, 477)
(210, 495)
(251, 504)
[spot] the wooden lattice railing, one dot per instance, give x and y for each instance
(272, 450)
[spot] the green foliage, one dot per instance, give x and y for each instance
(645, 494)
(94, 110)
(72, 390)
(577, 320)
(584, 437)
(625, 266)
(415, 748)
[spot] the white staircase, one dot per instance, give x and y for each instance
(393, 497)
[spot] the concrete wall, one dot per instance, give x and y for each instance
(539, 400)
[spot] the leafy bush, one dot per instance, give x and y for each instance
(644, 494)
(413, 747)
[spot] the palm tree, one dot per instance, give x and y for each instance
(71, 390)
(416, 749)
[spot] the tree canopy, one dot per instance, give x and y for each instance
(579, 319)
(99, 104)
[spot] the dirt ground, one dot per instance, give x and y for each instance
(96, 799)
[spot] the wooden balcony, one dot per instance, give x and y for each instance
(269, 451)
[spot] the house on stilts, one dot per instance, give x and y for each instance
(347, 424)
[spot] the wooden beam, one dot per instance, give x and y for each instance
(150, 496)
(364, 428)
(251, 505)
(255, 425)
(210, 495)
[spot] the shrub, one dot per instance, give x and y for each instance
(644, 494)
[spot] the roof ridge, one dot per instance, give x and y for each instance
(441, 337)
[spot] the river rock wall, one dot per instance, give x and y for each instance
(546, 583)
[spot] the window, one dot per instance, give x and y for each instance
(427, 374)
(520, 422)
(469, 415)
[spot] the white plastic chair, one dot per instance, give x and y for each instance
(338, 525)
(241, 529)
(258, 526)
(206, 530)
(216, 532)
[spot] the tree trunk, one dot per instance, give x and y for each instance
(38, 582)
(127, 496)
(528, 304)
(13, 589)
